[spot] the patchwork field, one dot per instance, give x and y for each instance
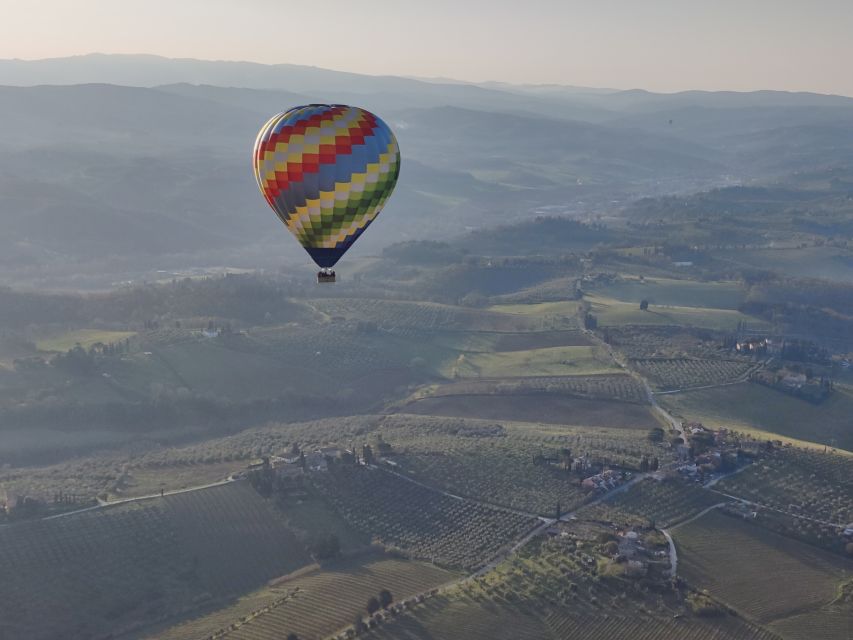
(748, 405)
(764, 576)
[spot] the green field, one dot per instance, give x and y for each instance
(764, 576)
(752, 406)
(682, 293)
(84, 337)
(554, 361)
(611, 312)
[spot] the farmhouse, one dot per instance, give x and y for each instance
(794, 380)
(752, 346)
(603, 481)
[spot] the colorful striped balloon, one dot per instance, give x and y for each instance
(326, 171)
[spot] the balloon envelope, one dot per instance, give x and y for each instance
(326, 171)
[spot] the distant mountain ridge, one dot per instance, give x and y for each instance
(139, 161)
(146, 70)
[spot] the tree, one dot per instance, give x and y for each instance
(373, 605)
(385, 598)
(644, 305)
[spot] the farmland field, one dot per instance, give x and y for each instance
(389, 314)
(830, 263)
(762, 575)
(611, 312)
(554, 361)
(420, 521)
(748, 405)
(815, 484)
(316, 603)
(666, 291)
(682, 373)
(138, 562)
(662, 502)
(617, 387)
(507, 341)
(640, 342)
(551, 590)
(84, 337)
(549, 408)
(494, 462)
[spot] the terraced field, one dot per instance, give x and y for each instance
(762, 575)
(314, 604)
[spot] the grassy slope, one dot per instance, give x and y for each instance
(750, 406)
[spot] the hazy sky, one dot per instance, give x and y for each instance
(663, 45)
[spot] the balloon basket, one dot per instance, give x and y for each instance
(325, 275)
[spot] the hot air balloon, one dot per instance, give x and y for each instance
(326, 170)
